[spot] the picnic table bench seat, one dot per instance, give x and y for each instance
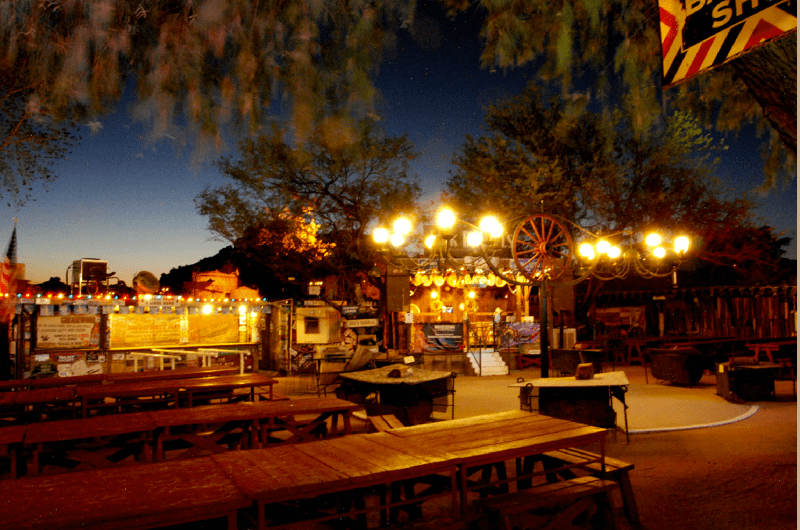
(565, 461)
(552, 505)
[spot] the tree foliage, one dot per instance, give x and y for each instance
(209, 65)
(611, 51)
(212, 63)
(31, 142)
(303, 210)
(596, 170)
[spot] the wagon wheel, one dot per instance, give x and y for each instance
(543, 247)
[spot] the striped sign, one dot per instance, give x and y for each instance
(697, 35)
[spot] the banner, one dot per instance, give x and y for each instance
(697, 35)
(441, 337)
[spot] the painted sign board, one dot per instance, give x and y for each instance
(697, 35)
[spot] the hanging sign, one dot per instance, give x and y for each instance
(697, 35)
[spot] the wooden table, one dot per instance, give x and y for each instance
(174, 391)
(50, 382)
(213, 428)
(128, 394)
(41, 401)
(132, 497)
(196, 388)
(480, 443)
(583, 400)
(106, 440)
(178, 373)
(345, 466)
(349, 468)
(122, 435)
(770, 348)
(15, 384)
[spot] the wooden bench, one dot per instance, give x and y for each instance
(384, 422)
(551, 505)
(616, 470)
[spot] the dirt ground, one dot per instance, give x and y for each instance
(737, 476)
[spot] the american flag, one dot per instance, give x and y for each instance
(6, 271)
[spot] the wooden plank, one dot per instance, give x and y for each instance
(490, 453)
(96, 427)
(178, 373)
(281, 473)
(431, 454)
(485, 430)
(462, 422)
(12, 434)
(50, 382)
(249, 411)
(383, 456)
(349, 463)
(185, 490)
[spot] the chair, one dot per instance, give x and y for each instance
(619, 352)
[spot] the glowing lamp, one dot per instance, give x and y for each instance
(402, 225)
(659, 252)
(491, 226)
(682, 245)
(474, 239)
(429, 241)
(614, 252)
(653, 240)
(380, 235)
(603, 246)
(446, 219)
(587, 251)
(397, 240)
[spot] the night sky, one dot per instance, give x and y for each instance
(120, 200)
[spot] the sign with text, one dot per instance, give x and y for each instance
(59, 332)
(442, 337)
(697, 35)
(362, 322)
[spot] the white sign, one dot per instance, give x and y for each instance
(362, 323)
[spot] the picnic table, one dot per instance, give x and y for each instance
(133, 497)
(769, 349)
(485, 443)
(38, 402)
(178, 373)
(347, 469)
(248, 425)
(126, 435)
(171, 391)
(106, 440)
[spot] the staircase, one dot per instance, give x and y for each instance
(487, 363)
